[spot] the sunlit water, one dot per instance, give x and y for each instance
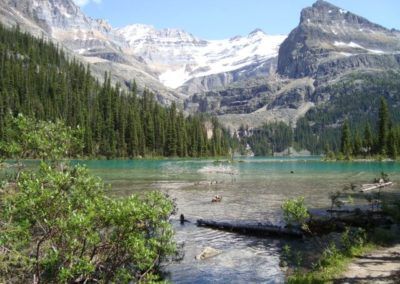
(253, 189)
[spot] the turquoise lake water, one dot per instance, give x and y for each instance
(252, 189)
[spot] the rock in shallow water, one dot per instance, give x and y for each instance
(208, 252)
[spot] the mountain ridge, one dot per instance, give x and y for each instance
(329, 46)
(327, 32)
(178, 56)
(145, 58)
(243, 79)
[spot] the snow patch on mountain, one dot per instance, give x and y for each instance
(356, 45)
(169, 57)
(178, 56)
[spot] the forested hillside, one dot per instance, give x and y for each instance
(357, 132)
(355, 98)
(38, 79)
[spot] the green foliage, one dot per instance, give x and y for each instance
(334, 259)
(295, 212)
(38, 80)
(357, 144)
(325, 135)
(368, 139)
(345, 147)
(305, 137)
(353, 238)
(291, 256)
(28, 138)
(384, 236)
(383, 126)
(270, 138)
(59, 226)
(335, 199)
(392, 208)
(357, 98)
(385, 143)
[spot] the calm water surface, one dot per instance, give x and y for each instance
(252, 189)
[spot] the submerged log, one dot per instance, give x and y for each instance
(251, 228)
(368, 187)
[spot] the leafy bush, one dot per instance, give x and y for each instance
(353, 238)
(30, 138)
(59, 226)
(295, 212)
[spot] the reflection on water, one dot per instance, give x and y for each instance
(253, 189)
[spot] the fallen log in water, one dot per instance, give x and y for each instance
(251, 228)
(368, 187)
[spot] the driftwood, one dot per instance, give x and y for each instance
(368, 187)
(251, 228)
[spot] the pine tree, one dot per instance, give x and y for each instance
(38, 79)
(368, 139)
(357, 145)
(346, 140)
(383, 126)
(171, 143)
(392, 144)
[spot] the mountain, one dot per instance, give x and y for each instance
(170, 62)
(333, 65)
(93, 41)
(180, 58)
(39, 80)
(329, 38)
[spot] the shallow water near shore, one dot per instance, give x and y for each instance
(252, 189)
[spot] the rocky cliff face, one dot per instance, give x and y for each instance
(195, 65)
(330, 36)
(171, 62)
(330, 55)
(244, 80)
(221, 81)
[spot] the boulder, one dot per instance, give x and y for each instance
(208, 252)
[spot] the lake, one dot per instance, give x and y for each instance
(252, 189)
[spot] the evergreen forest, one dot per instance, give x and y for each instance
(40, 80)
(377, 136)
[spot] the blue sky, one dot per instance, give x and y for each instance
(218, 19)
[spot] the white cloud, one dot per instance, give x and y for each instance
(85, 2)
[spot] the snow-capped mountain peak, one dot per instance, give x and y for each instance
(169, 57)
(138, 33)
(178, 56)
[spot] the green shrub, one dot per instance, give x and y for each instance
(30, 138)
(59, 226)
(295, 212)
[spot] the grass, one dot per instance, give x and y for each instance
(330, 266)
(334, 262)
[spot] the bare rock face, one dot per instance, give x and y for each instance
(221, 81)
(170, 62)
(245, 80)
(321, 60)
(330, 36)
(189, 64)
